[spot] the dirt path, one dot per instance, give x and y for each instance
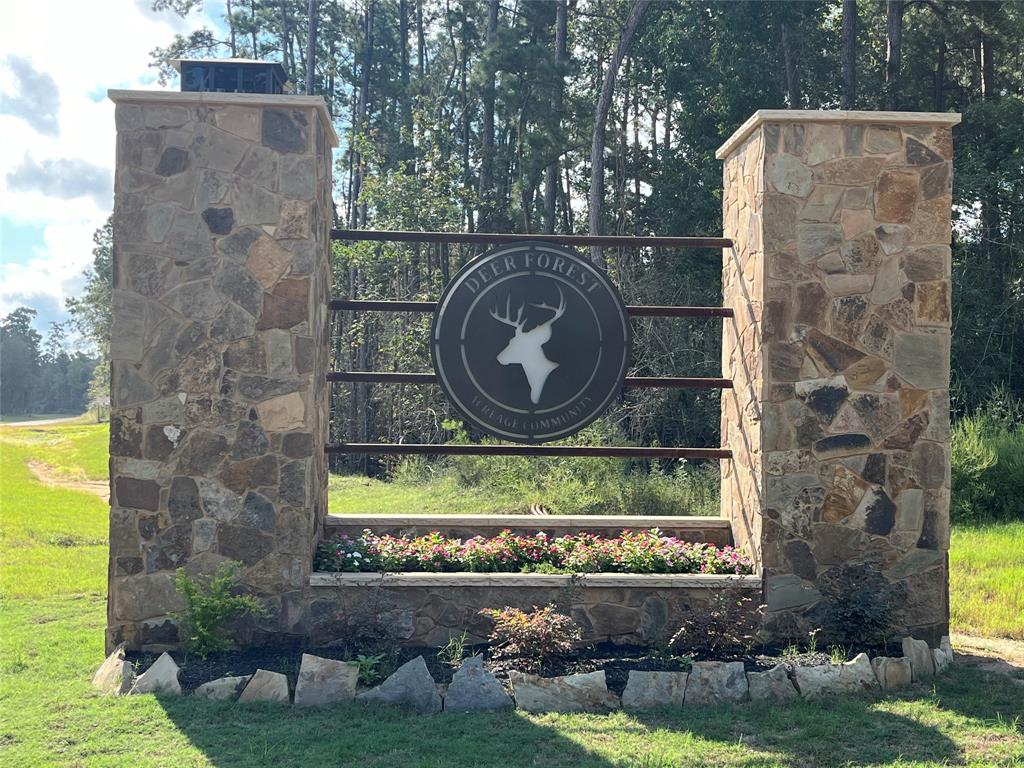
(992, 654)
(39, 422)
(45, 474)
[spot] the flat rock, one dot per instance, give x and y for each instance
(475, 689)
(940, 660)
(223, 688)
(266, 686)
(857, 676)
(922, 664)
(115, 674)
(816, 681)
(892, 673)
(161, 677)
(716, 682)
(571, 693)
(773, 685)
(325, 681)
(645, 690)
(410, 686)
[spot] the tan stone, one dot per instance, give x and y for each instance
(848, 285)
(865, 372)
(882, 139)
(295, 220)
(282, 413)
(823, 142)
(911, 401)
(932, 221)
(930, 262)
(896, 195)
(822, 203)
(856, 221)
(267, 261)
(931, 303)
(240, 121)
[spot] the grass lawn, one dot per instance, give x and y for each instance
(986, 583)
(52, 575)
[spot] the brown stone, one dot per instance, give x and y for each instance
(912, 400)
(865, 372)
(928, 262)
(931, 222)
(137, 494)
(856, 222)
(240, 542)
(896, 196)
(931, 303)
(239, 476)
(855, 170)
(935, 181)
(904, 437)
(882, 139)
(158, 445)
(811, 304)
(183, 501)
(780, 217)
(295, 220)
(919, 154)
(286, 306)
(830, 353)
(848, 317)
(783, 360)
(862, 254)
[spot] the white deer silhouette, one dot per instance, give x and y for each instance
(526, 349)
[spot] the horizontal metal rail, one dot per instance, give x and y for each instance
(366, 305)
(633, 382)
(618, 452)
(488, 238)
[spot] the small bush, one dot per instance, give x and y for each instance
(860, 604)
(536, 636)
(729, 623)
(209, 605)
(987, 457)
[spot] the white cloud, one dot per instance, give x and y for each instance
(68, 135)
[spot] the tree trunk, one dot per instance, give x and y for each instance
(792, 73)
(359, 121)
(311, 47)
(561, 56)
(849, 54)
(405, 105)
(231, 27)
(487, 128)
(893, 51)
(604, 103)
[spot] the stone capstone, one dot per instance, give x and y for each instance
(325, 681)
(223, 688)
(892, 673)
(410, 686)
(475, 689)
(773, 685)
(572, 693)
(646, 690)
(115, 675)
(161, 677)
(922, 663)
(716, 682)
(266, 686)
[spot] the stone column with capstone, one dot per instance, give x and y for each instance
(219, 352)
(839, 280)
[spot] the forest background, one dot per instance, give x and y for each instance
(574, 116)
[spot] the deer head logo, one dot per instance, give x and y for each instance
(526, 349)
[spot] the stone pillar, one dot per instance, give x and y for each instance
(222, 216)
(839, 353)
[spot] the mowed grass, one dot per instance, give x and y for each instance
(986, 583)
(51, 640)
(354, 495)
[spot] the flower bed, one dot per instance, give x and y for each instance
(630, 552)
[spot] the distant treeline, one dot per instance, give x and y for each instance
(40, 375)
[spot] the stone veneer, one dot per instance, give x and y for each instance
(839, 354)
(222, 216)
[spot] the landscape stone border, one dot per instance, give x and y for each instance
(323, 682)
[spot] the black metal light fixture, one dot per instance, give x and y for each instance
(231, 75)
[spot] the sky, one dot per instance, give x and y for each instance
(57, 60)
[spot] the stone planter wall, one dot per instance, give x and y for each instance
(222, 221)
(839, 353)
(430, 608)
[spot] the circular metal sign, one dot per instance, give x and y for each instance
(531, 342)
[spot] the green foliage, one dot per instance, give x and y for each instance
(369, 667)
(533, 636)
(729, 622)
(454, 651)
(208, 606)
(987, 457)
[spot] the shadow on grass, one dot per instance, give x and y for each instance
(871, 731)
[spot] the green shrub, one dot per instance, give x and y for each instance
(987, 457)
(208, 605)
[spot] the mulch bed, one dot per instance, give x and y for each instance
(616, 661)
